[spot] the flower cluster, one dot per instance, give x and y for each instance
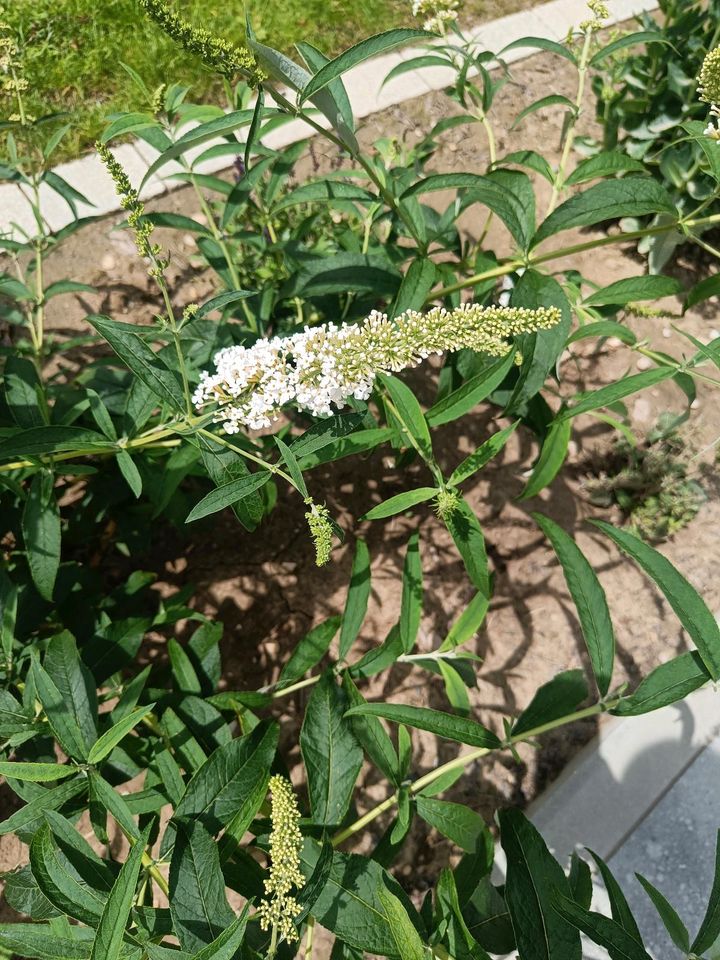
(321, 531)
(12, 83)
(130, 201)
(221, 55)
(281, 908)
(438, 13)
(600, 14)
(709, 91)
(319, 368)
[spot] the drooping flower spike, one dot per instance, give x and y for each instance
(709, 91)
(318, 369)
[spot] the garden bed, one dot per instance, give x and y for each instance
(266, 589)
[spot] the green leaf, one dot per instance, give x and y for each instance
(40, 941)
(35, 772)
(467, 533)
(112, 737)
(227, 494)
(351, 905)
(601, 930)
(704, 290)
(221, 301)
(552, 100)
(410, 414)
(24, 393)
(59, 714)
(690, 608)
(310, 651)
(198, 904)
(75, 683)
(224, 465)
(412, 594)
(710, 927)
(60, 881)
(532, 878)
(324, 191)
(130, 472)
(634, 289)
(495, 195)
(445, 725)
(372, 735)
(41, 533)
(459, 823)
(484, 453)
(343, 273)
(211, 130)
(147, 365)
(580, 880)
(668, 683)
(603, 328)
(108, 943)
(324, 433)
(621, 912)
(182, 668)
(552, 701)
(415, 287)
(552, 457)
(231, 785)
(541, 350)
(605, 164)
(539, 43)
(407, 939)
(400, 503)
(589, 599)
(43, 440)
(608, 200)
(28, 818)
(471, 393)
(671, 921)
(628, 40)
(226, 946)
(331, 753)
(357, 599)
(103, 794)
(605, 396)
(468, 623)
(371, 47)
(294, 470)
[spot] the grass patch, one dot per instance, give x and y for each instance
(75, 47)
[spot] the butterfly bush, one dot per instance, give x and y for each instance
(319, 368)
(709, 90)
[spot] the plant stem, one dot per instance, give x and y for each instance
(559, 181)
(465, 760)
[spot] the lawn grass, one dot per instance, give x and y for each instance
(75, 47)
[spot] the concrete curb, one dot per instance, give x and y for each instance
(550, 21)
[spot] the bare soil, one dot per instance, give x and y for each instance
(267, 591)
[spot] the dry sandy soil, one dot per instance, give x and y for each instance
(267, 591)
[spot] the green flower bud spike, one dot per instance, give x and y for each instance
(278, 912)
(321, 531)
(221, 55)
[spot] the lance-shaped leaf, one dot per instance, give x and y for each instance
(671, 921)
(27, 819)
(309, 652)
(112, 737)
(108, 943)
(412, 594)
(228, 494)
(445, 725)
(552, 701)
(197, 888)
(589, 599)
(454, 820)
(36, 772)
(710, 927)
(484, 453)
(666, 684)
(59, 714)
(331, 752)
(41, 533)
(467, 533)
(75, 682)
(372, 735)
(357, 599)
(411, 417)
(600, 929)
(400, 503)
(232, 783)
(690, 608)
(41, 942)
(61, 883)
(533, 877)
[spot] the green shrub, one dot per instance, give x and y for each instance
(159, 428)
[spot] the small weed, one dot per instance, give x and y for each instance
(649, 482)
